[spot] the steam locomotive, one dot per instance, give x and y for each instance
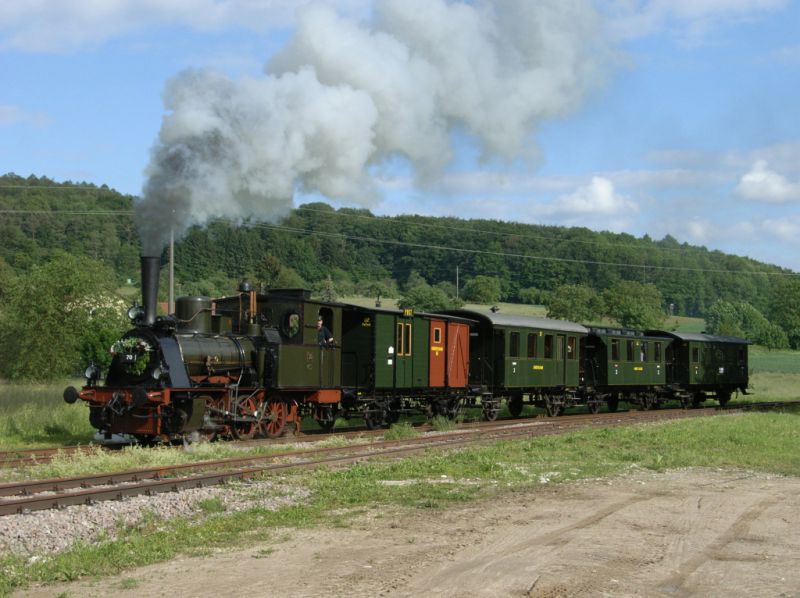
(254, 363)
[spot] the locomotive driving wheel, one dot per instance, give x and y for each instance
(247, 410)
(274, 421)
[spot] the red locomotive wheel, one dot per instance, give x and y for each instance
(274, 421)
(248, 408)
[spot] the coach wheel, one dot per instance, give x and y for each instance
(373, 417)
(551, 407)
(612, 403)
(646, 402)
(490, 408)
(697, 399)
(246, 424)
(274, 421)
(594, 407)
(723, 397)
(453, 408)
(391, 412)
(515, 405)
(326, 416)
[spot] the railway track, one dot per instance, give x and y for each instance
(29, 457)
(32, 495)
(26, 457)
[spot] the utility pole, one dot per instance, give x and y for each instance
(456, 282)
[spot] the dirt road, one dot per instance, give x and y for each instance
(680, 533)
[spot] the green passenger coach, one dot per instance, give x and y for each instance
(702, 366)
(625, 365)
(397, 362)
(524, 359)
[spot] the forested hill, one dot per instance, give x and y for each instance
(363, 252)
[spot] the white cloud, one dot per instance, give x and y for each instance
(698, 230)
(785, 229)
(597, 206)
(763, 184)
(63, 25)
(14, 115)
(598, 198)
(686, 18)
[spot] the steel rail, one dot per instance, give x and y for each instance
(16, 458)
(57, 496)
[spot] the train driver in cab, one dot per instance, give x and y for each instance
(324, 336)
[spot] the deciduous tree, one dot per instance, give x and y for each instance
(574, 302)
(56, 316)
(634, 304)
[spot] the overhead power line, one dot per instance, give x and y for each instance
(347, 237)
(511, 255)
(403, 218)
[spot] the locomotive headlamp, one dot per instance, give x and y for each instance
(157, 373)
(91, 374)
(136, 312)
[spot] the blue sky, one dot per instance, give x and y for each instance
(689, 126)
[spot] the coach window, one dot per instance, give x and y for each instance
(532, 346)
(513, 350)
(695, 355)
(643, 351)
(657, 352)
(548, 346)
(400, 338)
(614, 349)
(741, 356)
(407, 339)
(571, 353)
(630, 350)
(437, 336)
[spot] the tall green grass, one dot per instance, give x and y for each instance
(36, 415)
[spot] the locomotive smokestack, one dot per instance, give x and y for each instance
(150, 271)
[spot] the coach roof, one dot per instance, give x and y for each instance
(699, 336)
(511, 321)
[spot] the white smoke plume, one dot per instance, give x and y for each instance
(343, 96)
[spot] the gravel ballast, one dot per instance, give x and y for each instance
(46, 532)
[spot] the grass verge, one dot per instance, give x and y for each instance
(36, 415)
(761, 442)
